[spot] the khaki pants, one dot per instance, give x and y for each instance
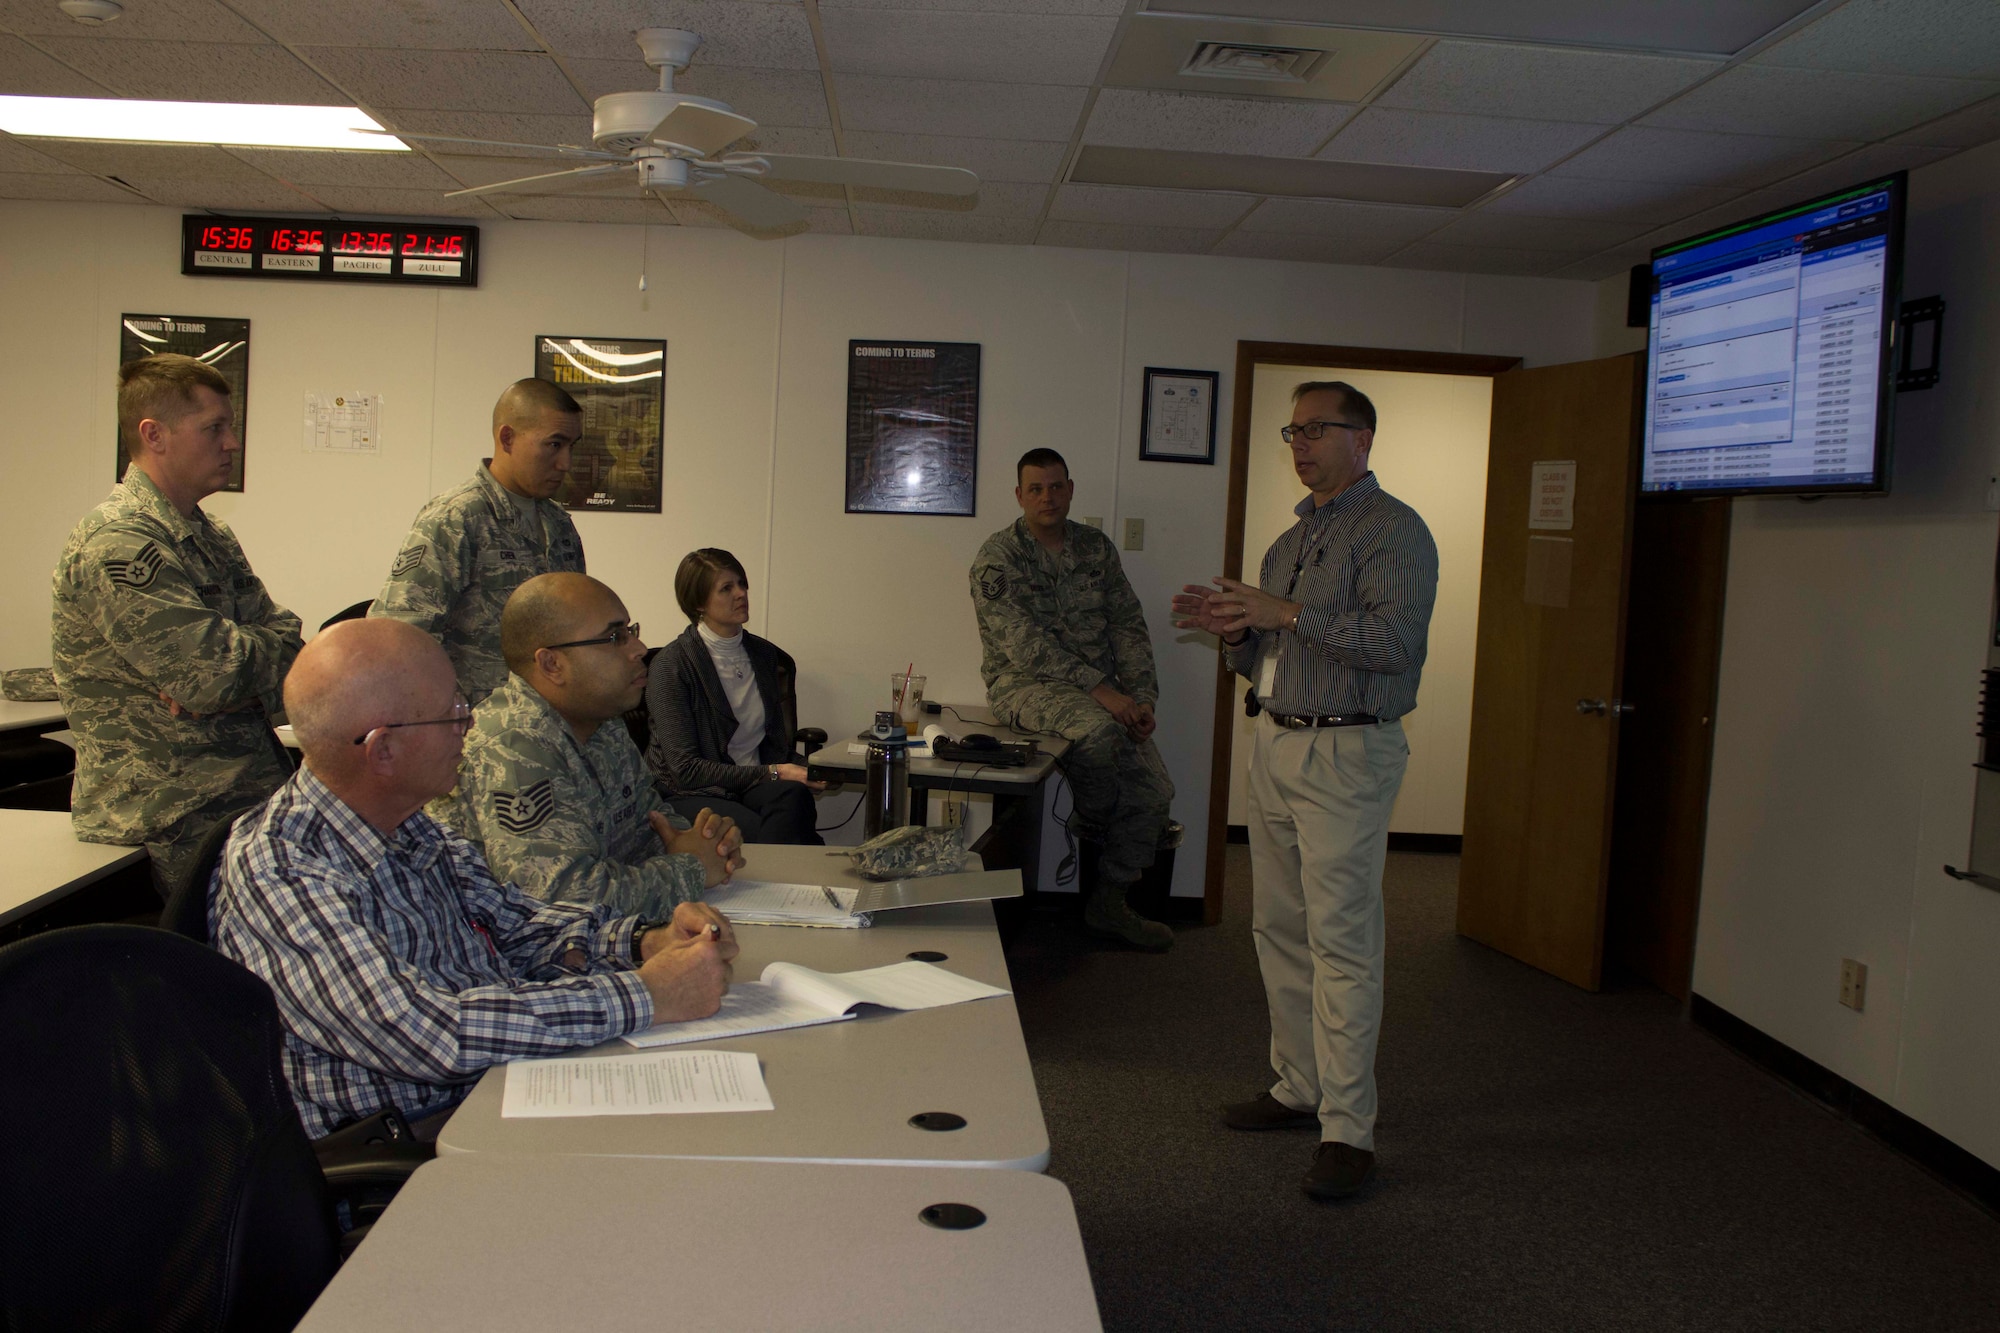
(1319, 830)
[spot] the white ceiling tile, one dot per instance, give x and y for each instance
(299, 166)
(265, 196)
(1149, 208)
(947, 227)
(1856, 167)
(27, 72)
(18, 155)
(994, 48)
(1638, 201)
(1106, 7)
(1690, 157)
(565, 208)
(196, 71)
(1310, 249)
(1961, 129)
(734, 32)
(1806, 103)
(439, 25)
(944, 106)
(356, 202)
(489, 169)
(1356, 223)
(989, 159)
(185, 162)
(83, 189)
(1114, 236)
(143, 20)
(1596, 268)
(1462, 143)
(1479, 259)
(1514, 232)
(786, 139)
(995, 199)
(1143, 118)
(1540, 82)
(826, 221)
(1946, 38)
(450, 80)
(514, 129)
(768, 96)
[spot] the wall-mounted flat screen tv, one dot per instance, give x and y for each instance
(1768, 360)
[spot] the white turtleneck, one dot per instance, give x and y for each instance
(739, 682)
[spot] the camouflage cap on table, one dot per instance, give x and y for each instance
(911, 852)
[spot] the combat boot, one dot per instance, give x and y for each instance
(1105, 912)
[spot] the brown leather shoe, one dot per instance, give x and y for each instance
(1339, 1170)
(1266, 1112)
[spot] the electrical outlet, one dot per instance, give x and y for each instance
(1094, 521)
(1853, 984)
(1135, 534)
(951, 810)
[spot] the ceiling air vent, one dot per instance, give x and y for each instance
(1264, 64)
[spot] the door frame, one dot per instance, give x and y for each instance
(1250, 355)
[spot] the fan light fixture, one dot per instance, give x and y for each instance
(223, 124)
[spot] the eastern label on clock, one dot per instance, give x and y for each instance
(306, 263)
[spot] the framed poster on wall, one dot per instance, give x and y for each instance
(222, 343)
(1177, 416)
(912, 428)
(622, 385)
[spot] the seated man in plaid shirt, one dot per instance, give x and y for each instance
(402, 967)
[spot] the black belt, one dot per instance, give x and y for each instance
(1291, 722)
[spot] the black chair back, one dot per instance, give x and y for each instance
(153, 1170)
(355, 612)
(186, 912)
(639, 721)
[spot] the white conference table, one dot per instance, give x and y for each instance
(843, 1092)
(45, 862)
(524, 1245)
(30, 716)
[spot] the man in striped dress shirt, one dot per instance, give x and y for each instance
(402, 968)
(1333, 639)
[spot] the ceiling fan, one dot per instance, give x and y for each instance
(670, 141)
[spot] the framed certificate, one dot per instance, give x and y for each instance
(1177, 416)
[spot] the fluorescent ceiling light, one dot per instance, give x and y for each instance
(229, 124)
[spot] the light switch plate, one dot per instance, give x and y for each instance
(1094, 521)
(1853, 984)
(1135, 534)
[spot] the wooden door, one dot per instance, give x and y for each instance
(1546, 682)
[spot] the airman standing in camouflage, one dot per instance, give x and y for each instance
(170, 658)
(471, 547)
(1065, 650)
(552, 788)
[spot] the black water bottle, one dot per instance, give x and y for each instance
(886, 802)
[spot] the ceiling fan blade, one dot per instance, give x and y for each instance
(574, 173)
(566, 149)
(879, 175)
(701, 128)
(747, 201)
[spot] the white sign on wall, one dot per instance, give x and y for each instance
(343, 423)
(1552, 498)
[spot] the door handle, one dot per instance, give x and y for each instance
(1615, 708)
(1588, 706)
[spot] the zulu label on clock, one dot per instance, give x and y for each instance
(319, 250)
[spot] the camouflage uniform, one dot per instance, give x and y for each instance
(1050, 628)
(466, 553)
(565, 822)
(149, 603)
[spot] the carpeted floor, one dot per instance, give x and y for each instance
(1547, 1159)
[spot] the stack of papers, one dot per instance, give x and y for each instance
(663, 1083)
(756, 902)
(791, 996)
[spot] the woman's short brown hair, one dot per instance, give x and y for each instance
(699, 570)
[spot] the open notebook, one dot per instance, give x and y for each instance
(791, 996)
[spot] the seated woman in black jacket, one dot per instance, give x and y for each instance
(724, 711)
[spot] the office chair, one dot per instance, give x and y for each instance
(153, 1170)
(186, 912)
(355, 612)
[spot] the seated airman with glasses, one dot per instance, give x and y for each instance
(553, 789)
(403, 966)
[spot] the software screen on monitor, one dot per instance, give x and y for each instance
(1767, 362)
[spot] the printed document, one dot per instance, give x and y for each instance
(791, 996)
(662, 1083)
(756, 902)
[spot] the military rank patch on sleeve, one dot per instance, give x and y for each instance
(140, 570)
(993, 585)
(408, 560)
(525, 810)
